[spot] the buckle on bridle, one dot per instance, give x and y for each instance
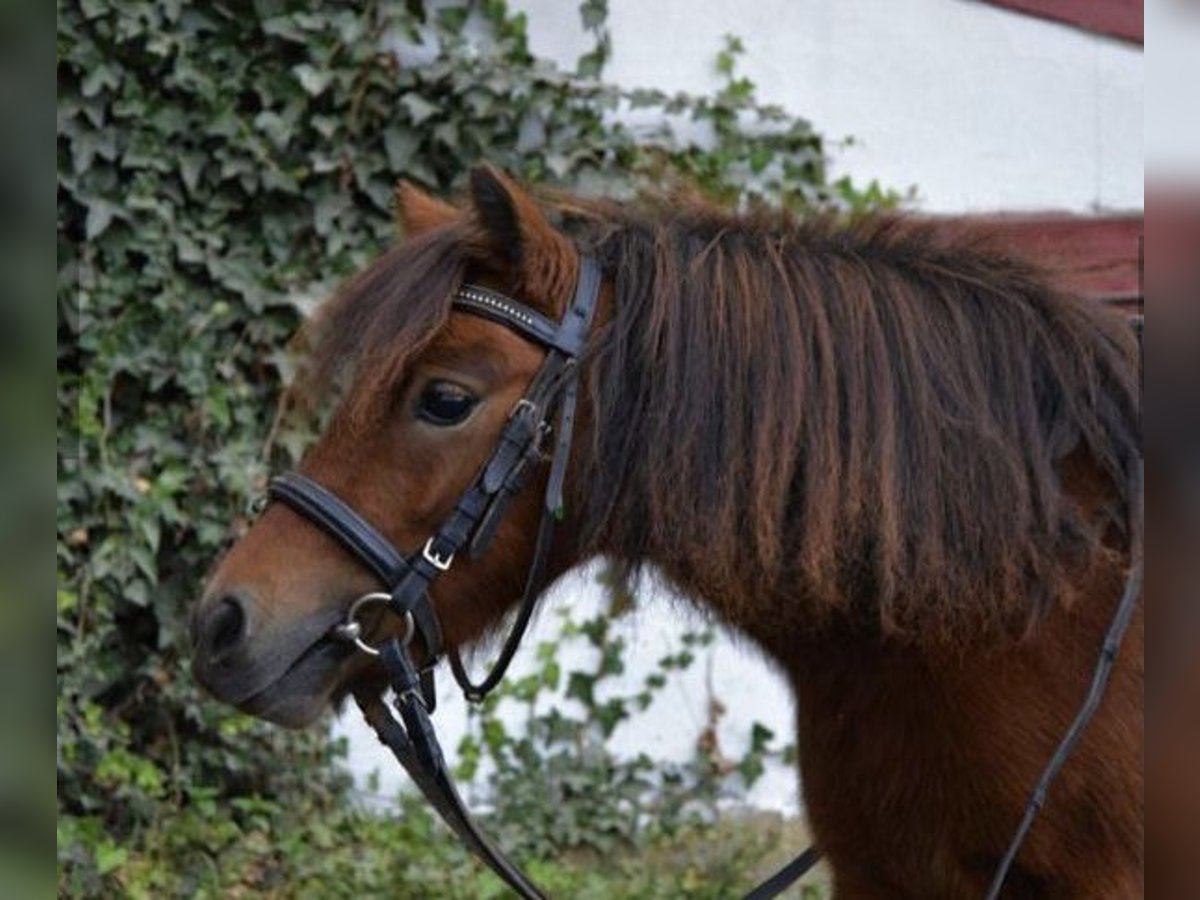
(439, 562)
(351, 630)
(521, 406)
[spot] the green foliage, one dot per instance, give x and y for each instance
(343, 851)
(220, 167)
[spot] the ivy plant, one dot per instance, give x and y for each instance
(220, 167)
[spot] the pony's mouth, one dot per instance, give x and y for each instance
(254, 670)
(302, 693)
(290, 673)
(320, 676)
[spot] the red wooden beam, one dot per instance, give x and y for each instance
(1096, 256)
(1115, 18)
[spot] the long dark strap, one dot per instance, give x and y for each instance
(476, 691)
(414, 744)
(787, 876)
(1113, 639)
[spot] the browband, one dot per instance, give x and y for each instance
(567, 337)
(494, 306)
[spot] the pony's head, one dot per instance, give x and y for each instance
(425, 394)
(795, 420)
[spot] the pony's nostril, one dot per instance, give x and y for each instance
(224, 628)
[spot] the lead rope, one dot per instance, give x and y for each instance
(414, 743)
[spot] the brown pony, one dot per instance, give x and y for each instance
(895, 459)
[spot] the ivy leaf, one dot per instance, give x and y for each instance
(453, 18)
(101, 77)
(99, 215)
(328, 208)
(276, 127)
(313, 80)
(591, 64)
(110, 857)
(419, 109)
(579, 687)
(593, 13)
(400, 144)
(760, 737)
(191, 165)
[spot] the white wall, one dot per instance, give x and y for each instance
(980, 108)
(1172, 118)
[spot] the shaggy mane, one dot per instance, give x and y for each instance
(868, 414)
(379, 320)
(865, 418)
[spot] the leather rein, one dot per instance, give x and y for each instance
(546, 413)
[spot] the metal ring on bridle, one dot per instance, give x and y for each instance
(351, 630)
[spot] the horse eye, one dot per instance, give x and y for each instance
(443, 403)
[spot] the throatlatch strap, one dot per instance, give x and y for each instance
(475, 692)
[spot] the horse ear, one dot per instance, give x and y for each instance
(418, 212)
(513, 226)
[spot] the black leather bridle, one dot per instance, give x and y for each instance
(549, 398)
(472, 524)
(546, 412)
